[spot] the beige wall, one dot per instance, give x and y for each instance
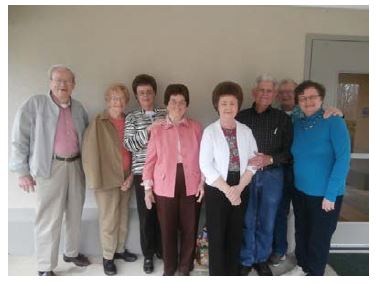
(198, 46)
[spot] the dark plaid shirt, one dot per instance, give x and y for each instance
(272, 130)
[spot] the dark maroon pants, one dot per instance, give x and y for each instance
(177, 214)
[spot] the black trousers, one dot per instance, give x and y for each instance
(150, 235)
(314, 229)
(178, 216)
(224, 228)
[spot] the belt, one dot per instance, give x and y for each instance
(68, 159)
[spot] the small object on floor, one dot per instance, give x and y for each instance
(245, 270)
(46, 273)
(109, 267)
(296, 271)
(201, 248)
(275, 259)
(79, 260)
(263, 269)
(148, 265)
(126, 255)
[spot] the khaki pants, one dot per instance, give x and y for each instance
(113, 207)
(58, 198)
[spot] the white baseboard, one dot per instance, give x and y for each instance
(21, 232)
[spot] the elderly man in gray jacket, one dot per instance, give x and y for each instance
(45, 152)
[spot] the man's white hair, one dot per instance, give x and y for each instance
(287, 81)
(265, 77)
(55, 67)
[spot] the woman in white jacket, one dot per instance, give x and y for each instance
(226, 148)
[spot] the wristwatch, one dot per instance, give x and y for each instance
(271, 160)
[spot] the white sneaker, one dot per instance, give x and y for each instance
(276, 259)
(296, 271)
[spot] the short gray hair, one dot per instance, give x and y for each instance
(288, 81)
(265, 77)
(55, 67)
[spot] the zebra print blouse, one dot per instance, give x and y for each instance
(136, 135)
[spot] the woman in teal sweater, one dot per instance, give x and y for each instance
(321, 152)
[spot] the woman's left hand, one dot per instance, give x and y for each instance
(328, 205)
(235, 195)
(149, 198)
(200, 193)
(127, 184)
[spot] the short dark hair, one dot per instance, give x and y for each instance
(144, 79)
(300, 89)
(174, 89)
(227, 88)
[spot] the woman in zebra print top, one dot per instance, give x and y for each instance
(136, 135)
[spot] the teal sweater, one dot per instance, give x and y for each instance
(321, 153)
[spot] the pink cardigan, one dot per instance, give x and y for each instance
(161, 161)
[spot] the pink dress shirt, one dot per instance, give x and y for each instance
(66, 137)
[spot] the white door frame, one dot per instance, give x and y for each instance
(309, 47)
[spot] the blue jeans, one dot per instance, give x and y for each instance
(280, 242)
(265, 193)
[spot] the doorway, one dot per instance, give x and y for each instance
(341, 64)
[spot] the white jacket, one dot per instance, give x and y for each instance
(215, 153)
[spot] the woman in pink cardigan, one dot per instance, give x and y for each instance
(172, 179)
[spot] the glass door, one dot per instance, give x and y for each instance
(353, 101)
(341, 64)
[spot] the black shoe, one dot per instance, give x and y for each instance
(46, 273)
(159, 255)
(180, 273)
(263, 269)
(191, 266)
(148, 265)
(276, 259)
(79, 260)
(245, 270)
(109, 267)
(126, 255)
(168, 274)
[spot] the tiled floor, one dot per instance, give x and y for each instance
(26, 266)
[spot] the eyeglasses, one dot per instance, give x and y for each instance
(117, 98)
(304, 99)
(147, 94)
(177, 103)
(64, 82)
